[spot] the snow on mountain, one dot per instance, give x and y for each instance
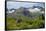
(34, 10)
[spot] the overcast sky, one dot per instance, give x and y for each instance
(17, 5)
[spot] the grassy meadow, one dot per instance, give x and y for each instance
(26, 23)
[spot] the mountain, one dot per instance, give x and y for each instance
(23, 11)
(38, 7)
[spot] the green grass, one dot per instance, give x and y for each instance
(26, 23)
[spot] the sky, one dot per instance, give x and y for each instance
(17, 5)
